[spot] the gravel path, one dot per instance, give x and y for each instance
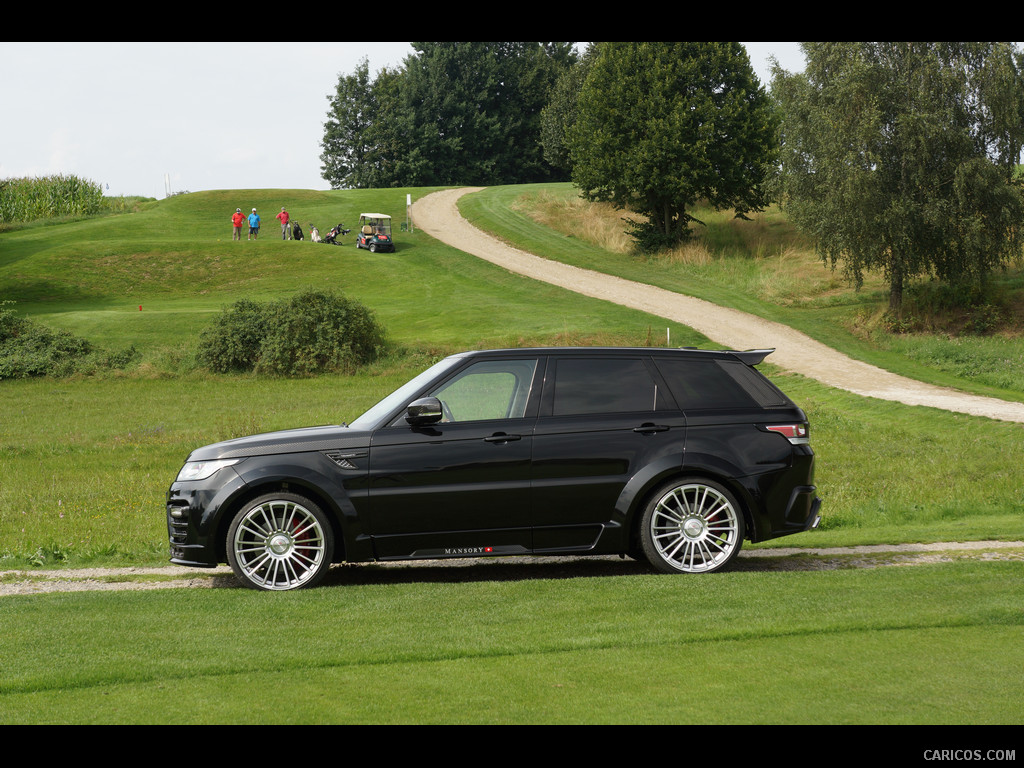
(32, 581)
(437, 215)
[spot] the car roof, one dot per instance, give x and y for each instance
(749, 356)
(374, 216)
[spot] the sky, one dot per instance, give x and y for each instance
(141, 118)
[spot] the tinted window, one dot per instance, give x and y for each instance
(603, 386)
(703, 384)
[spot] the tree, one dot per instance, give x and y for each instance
(901, 156)
(364, 137)
(455, 113)
(347, 139)
(662, 125)
(476, 108)
(559, 114)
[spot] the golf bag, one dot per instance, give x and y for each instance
(336, 232)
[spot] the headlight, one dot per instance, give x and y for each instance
(200, 470)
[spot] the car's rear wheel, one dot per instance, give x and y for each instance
(280, 541)
(691, 526)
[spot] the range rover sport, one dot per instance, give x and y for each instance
(673, 455)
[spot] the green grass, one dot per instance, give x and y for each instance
(178, 263)
(874, 646)
(85, 462)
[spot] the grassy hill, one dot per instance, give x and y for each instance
(178, 263)
(84, 461)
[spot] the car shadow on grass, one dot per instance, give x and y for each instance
(529, 568)
(458, 570)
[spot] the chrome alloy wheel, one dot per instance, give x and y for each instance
(692, 527)
(280, 543)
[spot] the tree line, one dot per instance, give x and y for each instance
(899, 157)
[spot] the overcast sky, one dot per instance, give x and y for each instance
(203, 115)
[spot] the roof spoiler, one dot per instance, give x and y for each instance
(753, 356)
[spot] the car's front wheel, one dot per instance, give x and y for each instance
(691, 526)
(280, 541)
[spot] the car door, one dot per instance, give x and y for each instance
(460, 486)
(605, 421)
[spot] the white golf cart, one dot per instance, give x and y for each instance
(374, 232)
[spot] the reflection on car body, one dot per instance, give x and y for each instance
(672, 455)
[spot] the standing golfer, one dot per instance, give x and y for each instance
(237, 221)
(286, 232)
(254, 224)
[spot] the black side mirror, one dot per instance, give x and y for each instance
(426, 410)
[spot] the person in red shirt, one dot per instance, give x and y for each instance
(238, 220)
(286, 232)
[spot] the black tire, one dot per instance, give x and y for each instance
(280, 541)
(691, 525)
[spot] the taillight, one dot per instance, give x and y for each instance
(796, 433)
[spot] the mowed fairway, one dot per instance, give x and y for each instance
(530, 644)
(84, 464)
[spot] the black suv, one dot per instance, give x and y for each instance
(675, 455)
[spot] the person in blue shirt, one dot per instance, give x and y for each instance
(254, 224)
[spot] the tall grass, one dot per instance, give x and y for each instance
(29, 199)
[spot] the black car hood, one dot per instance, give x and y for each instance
(286, 441)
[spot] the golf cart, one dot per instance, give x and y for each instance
(374, 232)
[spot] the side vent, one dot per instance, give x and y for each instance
(344, 459)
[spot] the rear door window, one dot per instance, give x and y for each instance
(604, 385)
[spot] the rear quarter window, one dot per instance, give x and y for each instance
(718, 384)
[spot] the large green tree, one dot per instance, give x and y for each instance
(347, 140)
(900, 157)
(361, 144)
(661, 125)
(455, 113)
(559, 114)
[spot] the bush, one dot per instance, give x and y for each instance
(313, 332)
(30, 349)
(649, 239)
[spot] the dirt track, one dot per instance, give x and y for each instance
(438, 216)
(31, 582)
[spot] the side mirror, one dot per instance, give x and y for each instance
(426, 410)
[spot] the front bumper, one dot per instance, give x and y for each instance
(193, 518)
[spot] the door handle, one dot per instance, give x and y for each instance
(650, 429)
(502, 438)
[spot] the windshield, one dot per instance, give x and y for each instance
(403, 395)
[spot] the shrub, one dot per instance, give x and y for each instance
(649, 239)
(313, 332)
(31, 349)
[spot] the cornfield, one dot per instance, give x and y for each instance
(28, 199)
